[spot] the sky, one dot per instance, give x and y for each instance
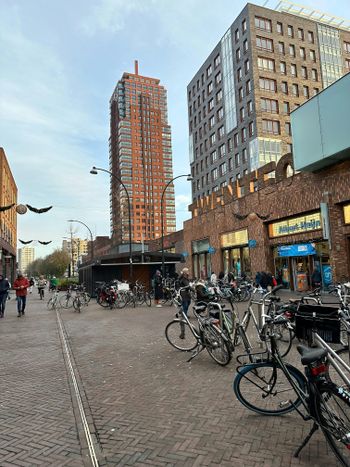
(59, 64)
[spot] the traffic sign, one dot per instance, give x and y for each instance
(251, 243)
(211, 250)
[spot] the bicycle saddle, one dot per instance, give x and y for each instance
(310, 355)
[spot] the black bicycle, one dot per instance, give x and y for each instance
(273, 387)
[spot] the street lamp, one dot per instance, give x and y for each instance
(91, 236)
(94, 171)
(189, 179)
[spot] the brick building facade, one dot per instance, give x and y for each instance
(276, 217)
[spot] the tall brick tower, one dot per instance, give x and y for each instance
(140, 155)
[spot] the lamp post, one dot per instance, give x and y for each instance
(91, 236)
(189, 178)
(94, 171)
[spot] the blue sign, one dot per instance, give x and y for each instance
(301, 249)
(251, 243)
(211, 250)
(326, 274)
(184, 254)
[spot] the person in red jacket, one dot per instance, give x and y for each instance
(21, 285)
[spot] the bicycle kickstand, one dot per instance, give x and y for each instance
(306, 440)
(196, 352)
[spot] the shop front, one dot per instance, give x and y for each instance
(201, 259)
(235, 252)
(295, 262)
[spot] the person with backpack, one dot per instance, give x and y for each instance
(158, 288)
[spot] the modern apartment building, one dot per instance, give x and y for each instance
(8, 219)
(267, 63)
(141, 157)
(26, 255)
(76, 248)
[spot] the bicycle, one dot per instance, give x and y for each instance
(79, 301)
(273, 387)
(185, 336)
(53, 303)
(66, 300)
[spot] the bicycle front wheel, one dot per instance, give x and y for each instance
(66, 301)
(216, 345)
(265, 389)
(77, 304)
(180, 336)
(333, 416)
(50, 304)
(284, 337)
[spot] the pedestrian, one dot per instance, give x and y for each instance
(264, 281)
(184, 281)
(213, 279)
(31, 284)
(158, 288)
(4, 288)
(53, 283)
(316, 278)
(21, 285)
(41, 286)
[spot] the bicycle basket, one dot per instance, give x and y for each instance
(321, 319)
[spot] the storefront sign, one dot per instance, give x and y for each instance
(302, 249)
(347, 213)
(326, 274)
(200, 246)
(252, 243)
(239, 237)
(296, 225)
(184, 254)
(211, 250)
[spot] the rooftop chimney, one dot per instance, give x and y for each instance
(136, 67)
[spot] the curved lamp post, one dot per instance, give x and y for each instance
(94, 171)
(91, 236)
(189, 178)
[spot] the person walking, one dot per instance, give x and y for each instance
(4, 288)
(158, 288)
(31, 284)
(41, 286)
(21, 285)
(184, 281)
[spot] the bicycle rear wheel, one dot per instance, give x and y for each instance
(333, 415)
(284, 337)
(50, 304)
(265, 389)
(77, 304)
(180, 336)
(66, 301)
(216, 345)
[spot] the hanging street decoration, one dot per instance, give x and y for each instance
(5, 208)
(23, 208)
(38, 210)
(44, 243)
(30, 241)
(251, 216)
(25, 243)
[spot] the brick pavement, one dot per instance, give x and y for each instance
(148, 406)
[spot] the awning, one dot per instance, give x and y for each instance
(301, 249)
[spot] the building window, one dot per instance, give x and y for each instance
(213, 157)
(237, 35)
(212, 121)
(293, 70)
(347, 47)
(286, 108)
(295, 90)
(238, 55)
(304, 72)
(347, 64)
(244, 135)
(244, 156)
(250, 107)
(220, 114)
(302, 53)
(218, 78)
(222, 150)
(271, 127)
(248, 87)
(313, 55)
(314, 75)
(291, 50)
(251, 129)
(244, 25)
(284, 87)
(212, 139)
(209, 71)
(246, 66)
(229, 145)
(287, 128)
(221, 132)
(210, 87)
(306, 91)
(310, 36)
(290, 31)
(269, 105)
(214, 174)
(263, 23)
(301, 34)
(237, 162)
(219, 96)
(315, 91)
(281, 47)
(240, 94)
(217, 61)
(235, 140)
(267, 84)
(239, 74)
(242, 114)
(245, 46)
(211, 104)
(264, 43)
(279, 28)
(283, 68)
(267, 64)
(223, 168)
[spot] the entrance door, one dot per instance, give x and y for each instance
(301, 272)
